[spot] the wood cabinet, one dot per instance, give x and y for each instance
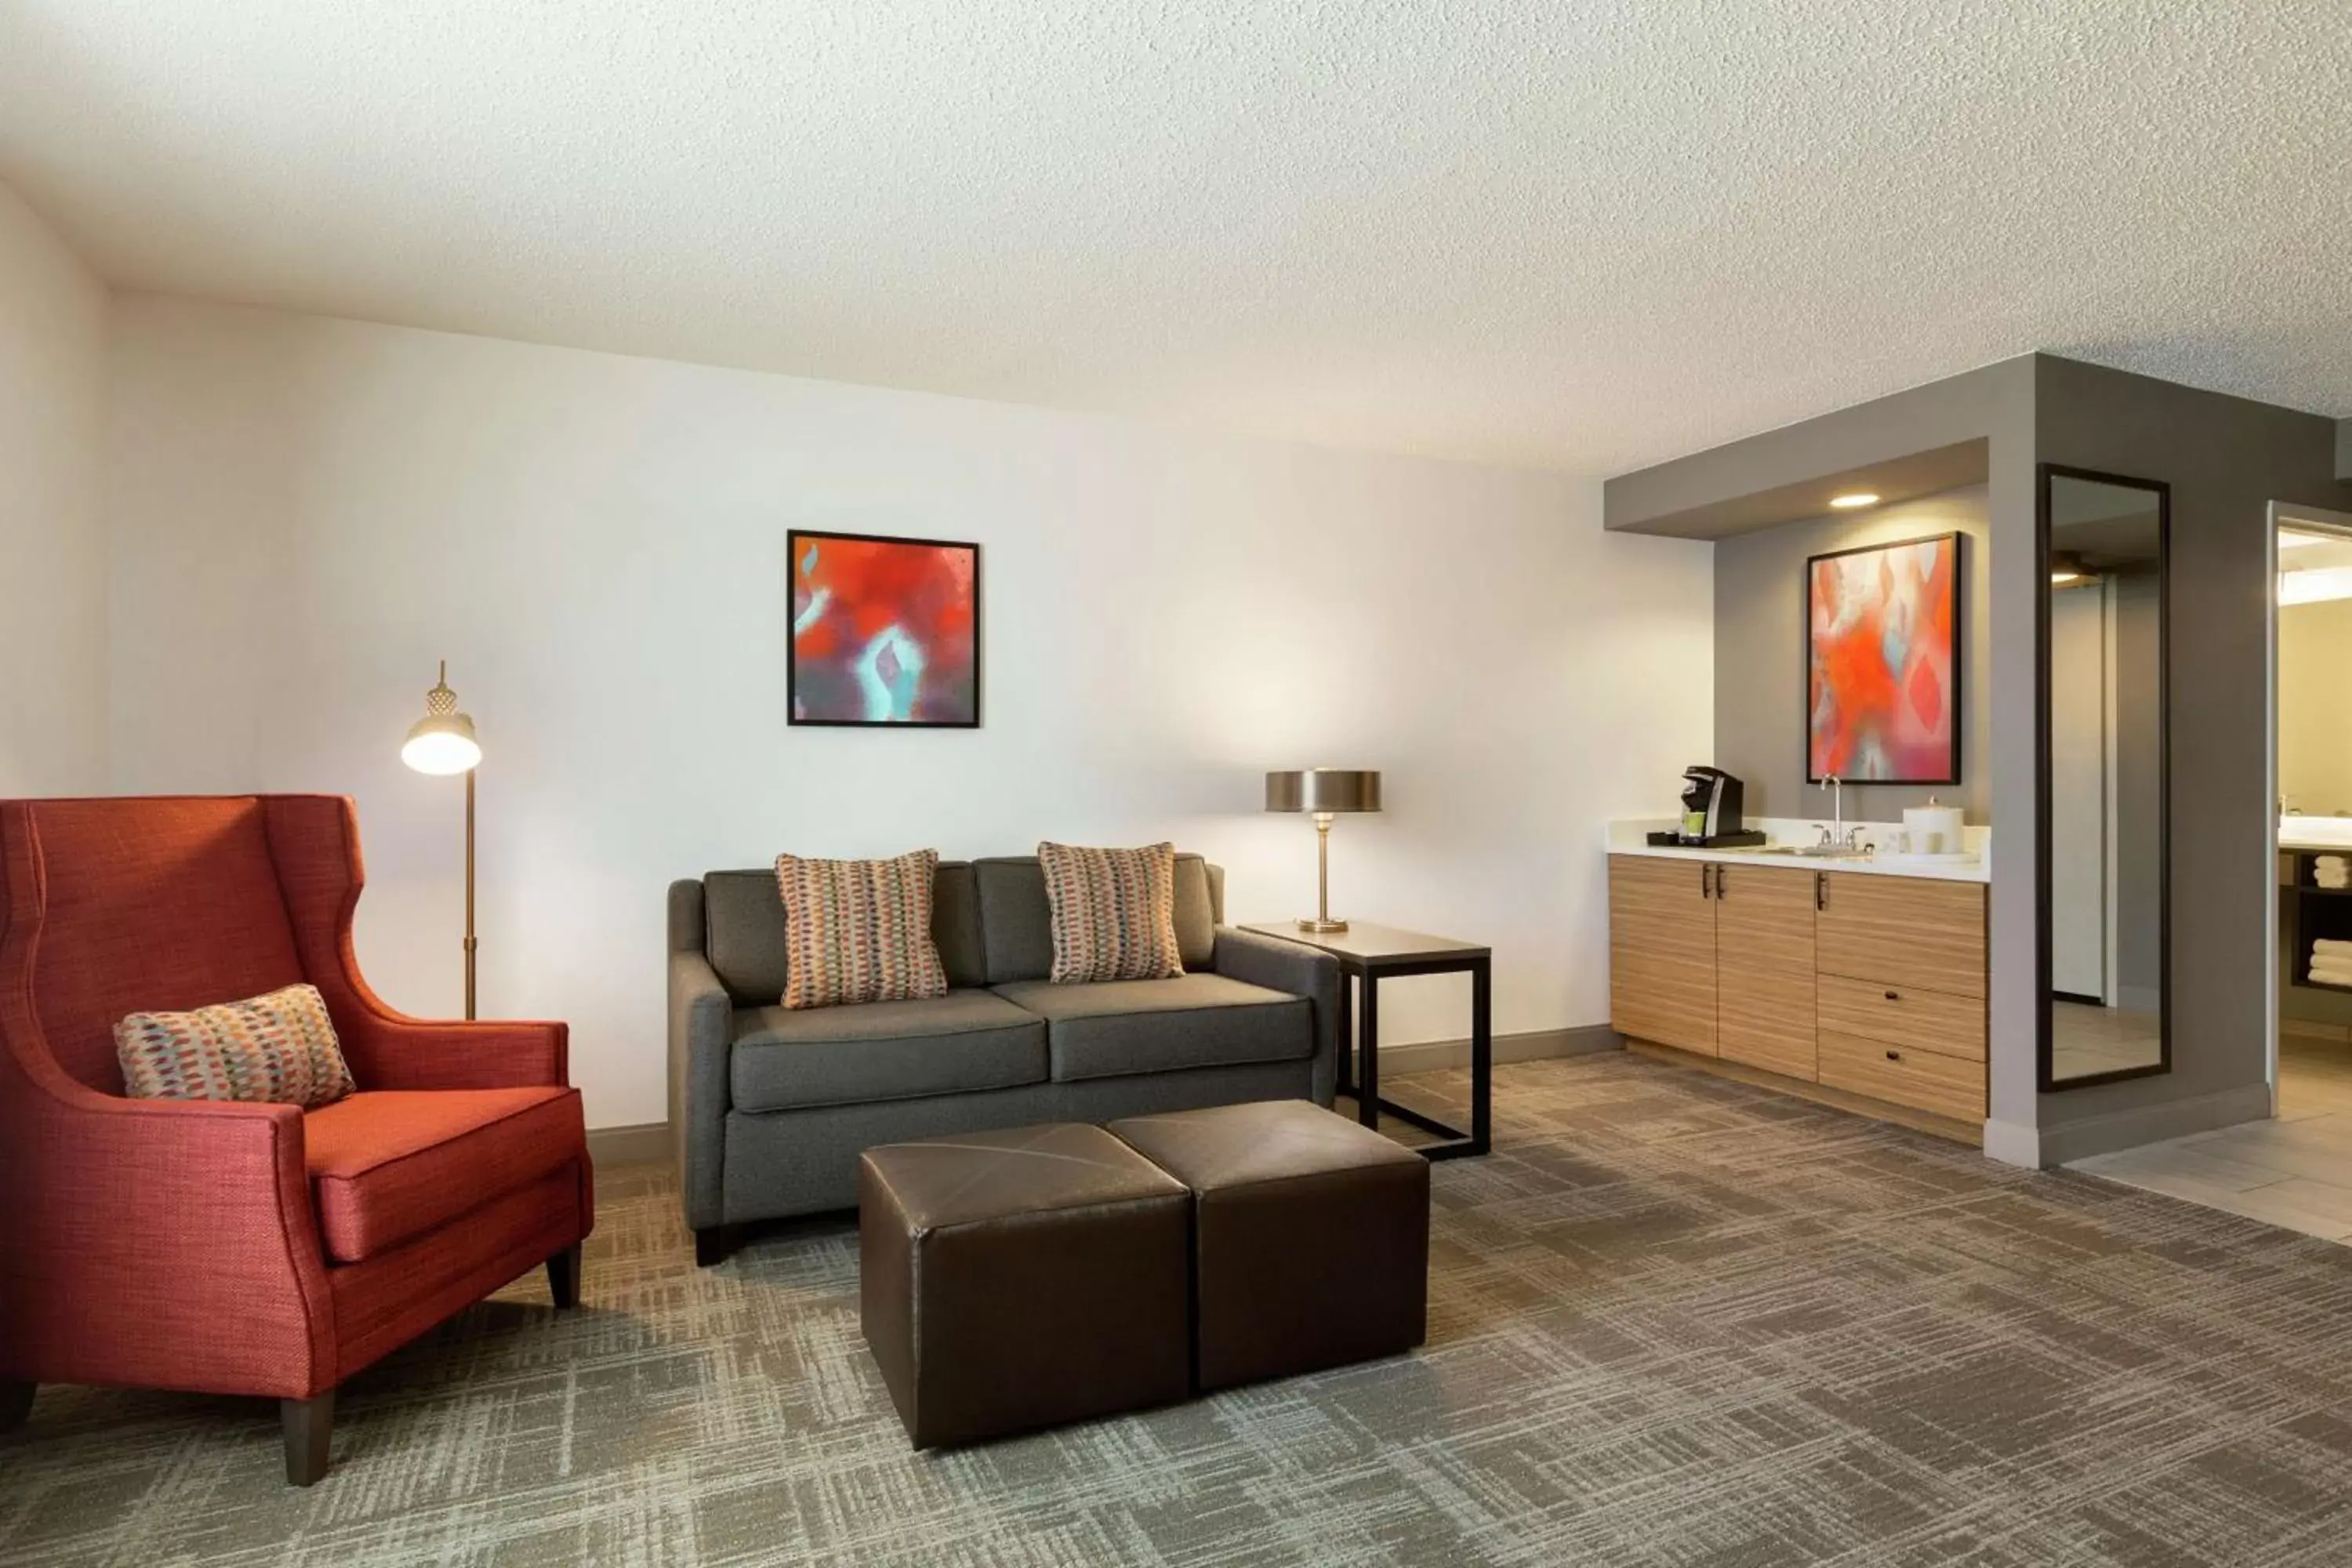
(1862, 981)
(1764, 975)
(1903, 991)
(1662, 951)
(1903, 930)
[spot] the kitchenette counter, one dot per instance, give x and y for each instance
(1627, 837)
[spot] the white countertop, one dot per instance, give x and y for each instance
(2314, 833)
(1625, 836)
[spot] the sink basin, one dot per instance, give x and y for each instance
(1809, 851)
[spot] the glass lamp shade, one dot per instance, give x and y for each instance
(442, 744)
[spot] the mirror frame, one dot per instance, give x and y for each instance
(2044, 1064)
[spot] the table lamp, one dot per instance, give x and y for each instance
(443, 743)
(1324, 792)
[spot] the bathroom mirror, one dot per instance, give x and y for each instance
(2102, 764)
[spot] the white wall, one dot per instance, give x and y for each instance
(53, 329)
(309, 512)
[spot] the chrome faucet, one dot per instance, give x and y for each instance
(1836, 787)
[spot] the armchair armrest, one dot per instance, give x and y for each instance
(701, 1024)
(389, 1050)
(1302, 971)
(167, 1220)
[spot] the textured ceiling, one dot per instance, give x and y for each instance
(1586, 237)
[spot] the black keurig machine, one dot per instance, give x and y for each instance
(1711, 811)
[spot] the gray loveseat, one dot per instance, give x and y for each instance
(771, 1107)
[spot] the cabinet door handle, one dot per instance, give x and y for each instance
(1820, 890)
(1722, 876)
(1706, 881)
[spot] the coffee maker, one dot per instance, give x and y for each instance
(1712, 809)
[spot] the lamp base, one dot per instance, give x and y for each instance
(1322, 925)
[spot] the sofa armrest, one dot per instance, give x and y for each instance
(164, 1220)
(701, 1023)
(1303, 970)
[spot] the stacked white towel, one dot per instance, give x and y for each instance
(2331, 961)
(2332, 871)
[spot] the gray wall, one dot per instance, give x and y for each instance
(2226, 458)
(1994, 405)
(1759, 657)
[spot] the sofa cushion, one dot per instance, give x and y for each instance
(745, 939)
(859, 931)
(1018, 921)
(1114, 912)
(1124, 1027)
(966, 1040)
(391, 1165)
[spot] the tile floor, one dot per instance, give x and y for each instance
(2294, 1171)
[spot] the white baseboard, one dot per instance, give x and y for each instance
(1535, 1044)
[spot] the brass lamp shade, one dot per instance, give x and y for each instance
(1323, 792)
(1323, 789)
(443, 741)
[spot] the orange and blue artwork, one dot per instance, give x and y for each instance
(1882, 673)
(885, 631)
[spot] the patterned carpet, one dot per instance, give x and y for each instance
(1674, 1320)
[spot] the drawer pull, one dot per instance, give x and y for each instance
(1895, 1056)
(1891, 996)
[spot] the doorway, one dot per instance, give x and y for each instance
(2311, 761)
(2294, 1170)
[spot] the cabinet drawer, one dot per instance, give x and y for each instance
(1903, 1016)
(1948, 1086)
(1903, 931)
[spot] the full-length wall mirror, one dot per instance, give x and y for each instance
(2102, 764)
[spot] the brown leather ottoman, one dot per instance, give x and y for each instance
(1013, 1281)
(1310, 1236)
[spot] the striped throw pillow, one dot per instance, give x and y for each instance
(281, 1049)
(1114, 912)
(859, 931)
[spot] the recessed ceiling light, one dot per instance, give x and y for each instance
(1859, 497)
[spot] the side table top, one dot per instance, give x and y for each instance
(1368, 943)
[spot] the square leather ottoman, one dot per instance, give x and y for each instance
(1310, 1236)
(1013, 1281)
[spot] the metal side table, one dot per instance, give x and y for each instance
(1369, 954)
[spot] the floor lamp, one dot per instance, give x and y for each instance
(443, 743)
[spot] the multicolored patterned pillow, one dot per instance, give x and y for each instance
(859, 931)
(280, 1047)
(1114, 912)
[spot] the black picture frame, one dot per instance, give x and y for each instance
(1959, 541)
(2045, 994)
(792, 539)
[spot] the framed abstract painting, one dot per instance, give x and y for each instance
(1883, 663)
(885, 631)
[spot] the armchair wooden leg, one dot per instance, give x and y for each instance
(308, 1424)
(15, 1403)
(564, 1277)
(713, 1246)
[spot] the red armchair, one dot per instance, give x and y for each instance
(243, 1249)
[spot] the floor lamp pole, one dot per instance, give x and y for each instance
(470, 892)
